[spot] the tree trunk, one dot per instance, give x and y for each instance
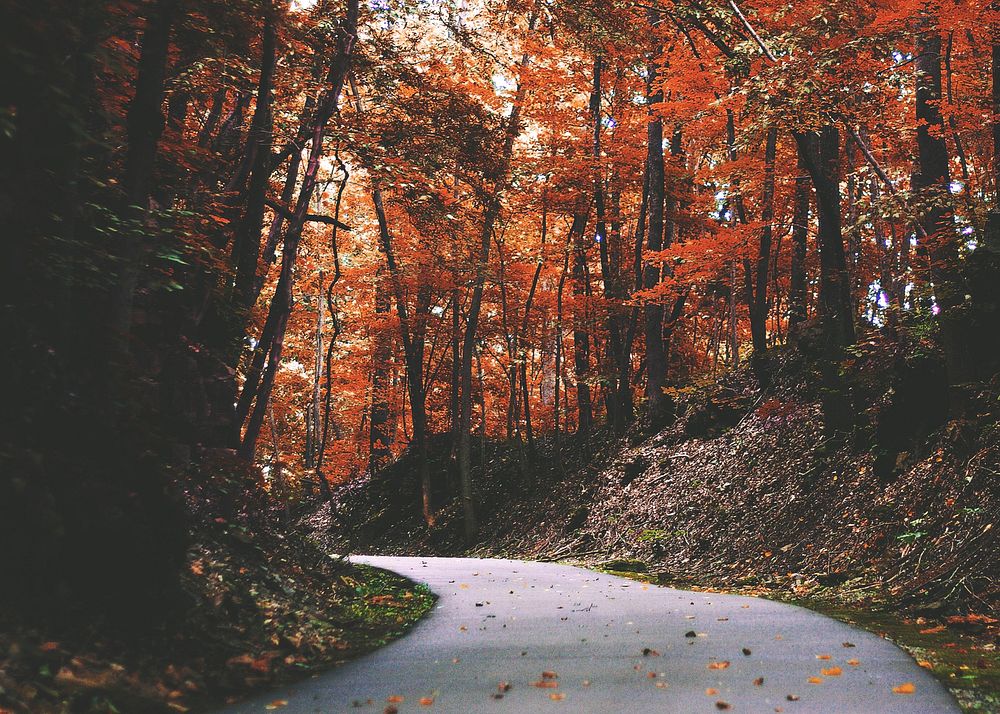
(757, 277)
(246, 241)
(581, 336)
(820, 153)
(659, 407)
(932, 181)
(259, 382)
(144, 125)
(797, 309)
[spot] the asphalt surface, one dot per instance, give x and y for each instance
(605, 644)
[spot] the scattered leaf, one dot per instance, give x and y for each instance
(832, 672)
(277, 704)
(905, 688)
(723, 705)
(759, 682)
(719, 665)
(557, 696)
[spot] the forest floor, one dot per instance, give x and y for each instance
(892, 528)
(263, 606)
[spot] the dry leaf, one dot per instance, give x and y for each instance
(823, 656)
(854, 662)
(718, 665)
(905, 688)
(557, 696)
(759, 682)
(710, 692)
(394, 699)
(832, 672)
(277, 704)
(426, 701)
(815, 680)
(722, 705)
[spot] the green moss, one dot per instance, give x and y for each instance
(383, 607)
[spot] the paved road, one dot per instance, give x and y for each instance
(511, 621)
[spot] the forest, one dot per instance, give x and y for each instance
(544, 279)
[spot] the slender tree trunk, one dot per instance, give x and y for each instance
(659, 407)
(800, 233)
(246, 241)
(259, 383)
(379, 436)
(144, 125)
(581, 335)
(757, 276)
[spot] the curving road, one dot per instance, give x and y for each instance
(606, 644)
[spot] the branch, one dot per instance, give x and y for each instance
(311, 218)
(753, 33)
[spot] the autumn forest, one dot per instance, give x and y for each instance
(264, 254)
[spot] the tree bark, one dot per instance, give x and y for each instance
(658, 405)
(820, 153)
(144, 125)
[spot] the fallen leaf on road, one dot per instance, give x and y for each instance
(662, 685)
(823, 656)
(557, 696)
(718, 665)
(832, 672)
(277, 704)
(710, 692)
(848, 644)
(759, 682)
(905, 688)
(545, 684)
(792, 697)
(722, 705)
(394, 699)
(925, 664)
(549, 675)
(646, 652)
(854, 662)
(747, 652)
(815, 680)
(504, 686)
(933, 630)
(426, 701)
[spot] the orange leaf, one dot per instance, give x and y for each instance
(394, 699)
(854, 662)
(905, 688)
(557, 696)
(832, 672)
(815, 680)
(718, 665)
